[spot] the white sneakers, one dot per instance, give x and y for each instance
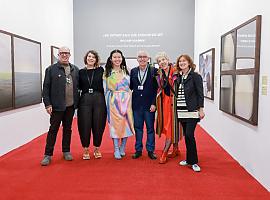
(183, 163)
(195, 167)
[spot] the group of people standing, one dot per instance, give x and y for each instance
(127, 101)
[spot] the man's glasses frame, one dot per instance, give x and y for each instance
(142, 57)
(64, 53)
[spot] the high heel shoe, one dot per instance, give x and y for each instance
(175, 152)
(97, 153)
(86, 155)
(163, 158)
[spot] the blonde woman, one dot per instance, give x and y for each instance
(166, 117)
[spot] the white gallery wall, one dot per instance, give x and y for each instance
(249, 145)
(51, 23)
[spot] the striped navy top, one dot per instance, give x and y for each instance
(182, 111)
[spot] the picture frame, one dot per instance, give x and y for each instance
(102, 64)
(131, 63)
(21, 66)
(239, 71)
(6, 72)
(27, 71)
(54, 54)
(207, 71)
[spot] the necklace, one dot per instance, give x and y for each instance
(117, 71)
(92, 67)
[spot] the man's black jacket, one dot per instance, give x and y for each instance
(54, 86)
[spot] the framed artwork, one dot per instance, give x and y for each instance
(131, 63)
(239, 71)
(54, 54)
(102, 64)
(20, 71)
(6, 86)
(27, 71)
(207, 71)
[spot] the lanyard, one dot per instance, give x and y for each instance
(142, 78)
(92, 77)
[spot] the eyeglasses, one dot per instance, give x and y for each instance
(64, 53)
(142, 57)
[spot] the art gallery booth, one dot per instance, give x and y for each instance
(234, 34)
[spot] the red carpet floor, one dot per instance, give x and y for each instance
(22, 177)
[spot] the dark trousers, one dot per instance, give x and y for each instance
(92, 117)
(191, 149)
(57, 117)
(140, 116)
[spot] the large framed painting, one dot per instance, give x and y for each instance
(27, 71)
(239, 71)
(102, 64)
(54, 54)
(20, 71)
(131, 63)
(6, 100)
(207, 71)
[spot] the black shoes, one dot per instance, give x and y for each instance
(137, 154)
(152, 155)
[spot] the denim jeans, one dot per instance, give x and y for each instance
(140, 116)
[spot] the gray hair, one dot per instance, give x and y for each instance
(161, 55)
(64, 48)
(142, 52)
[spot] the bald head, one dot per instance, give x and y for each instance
(64, 55)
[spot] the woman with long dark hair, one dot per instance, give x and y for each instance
(118, 101)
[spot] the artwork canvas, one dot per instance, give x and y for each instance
(27, 72)
(54, 54)
(226, 93)
(245, 47)
(206, 69)
(239, 71)
(228, 51)
(244, 91)
(6, 102)
(102, 64)
(131, 63)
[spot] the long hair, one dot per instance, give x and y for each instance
(188, 58)
(109, 66)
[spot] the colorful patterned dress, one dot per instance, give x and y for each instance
(118, 102)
